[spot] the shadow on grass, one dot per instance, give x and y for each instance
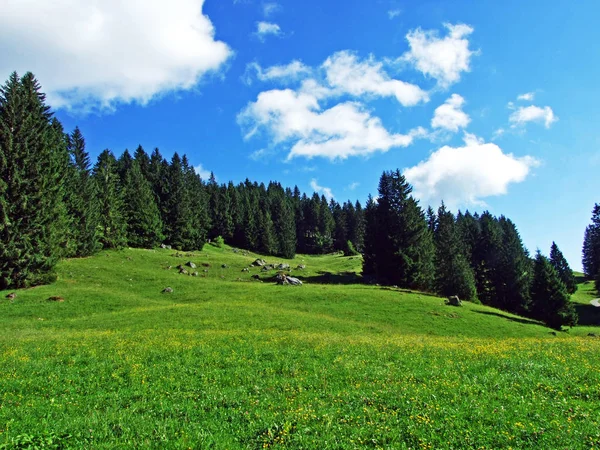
(325, 277)
(512, 319)
(589, 315)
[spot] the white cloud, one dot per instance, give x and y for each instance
(95, 54)
(441, 58)
(321, 190)
(204, 174)
(292, 71)
(346, 74)
(270, 8)
(263, 29)
(393, 13)
(297, 119)
(529, 96)
(450, 115)
(498, 133)
(523, 115)
(353, 186)
(465, 175)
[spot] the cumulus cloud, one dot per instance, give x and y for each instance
(345, 73)
(288, 72)
(450, 115)
(466, 175)
(523, 115)
(528, 97)
(96, 54)
(204, 174)
(297, 119)
(443, 59)
(264, 29)
(321, 189)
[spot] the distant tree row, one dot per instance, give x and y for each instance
(472, 256)
(54, 203)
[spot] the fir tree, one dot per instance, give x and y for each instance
(81, 200)
(144, 227)
(110, 201)
(591, 248)
(33, 166)
(549, 298)
(403, 246)
(454, 275)
(562, 268)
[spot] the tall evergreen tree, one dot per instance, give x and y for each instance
(81, 201)
(550, 301)
(144, 226)
(562, 268)
(112, 223)
(512, 275)
(454, 275)
(404, 247)
(591, 248)
(33, 165)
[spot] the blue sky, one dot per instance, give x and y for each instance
(485, 104)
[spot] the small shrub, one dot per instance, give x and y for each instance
(218, 242)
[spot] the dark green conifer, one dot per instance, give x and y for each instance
(112, 224)
(33, 166)
(454, 275)
(550, 301)
(144, 226)
(563, 269)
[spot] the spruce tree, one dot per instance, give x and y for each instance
(370, 239)
(454, 275)
(33, 167)
(550, 301)
(144, 226)
(591, 248)
(110, 201)
(81, 199)
(561, 266)
(403, 245)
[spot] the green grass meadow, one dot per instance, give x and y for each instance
(228, 362)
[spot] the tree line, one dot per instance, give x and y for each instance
(591, 249)
(54, 203)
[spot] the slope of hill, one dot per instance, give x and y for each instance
(226, 361)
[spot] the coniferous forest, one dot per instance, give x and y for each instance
(55, 202)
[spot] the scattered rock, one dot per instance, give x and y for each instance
(194, 274)
(224, 266)
(235, 250)
(301, 266)
(255, 277)
(454, 301)
(180, 267)
(245, 269)
(259, 262)
(283, 266)
(267, 267)
(190, 264)
(11, 296)
(165, 247)
(205, 271)
(589, 334)
(282, 278)
(553, 333)
(183, 272)
(293, 281)
(169, 267)
(205, 265)
(167, 290)
(55, 298)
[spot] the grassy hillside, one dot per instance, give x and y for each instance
(229, 362)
